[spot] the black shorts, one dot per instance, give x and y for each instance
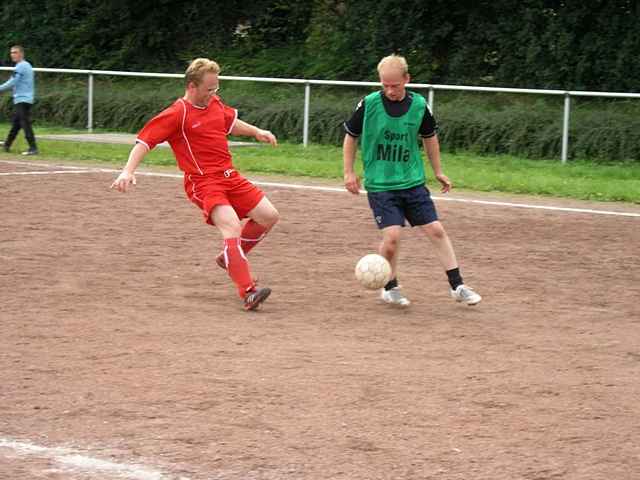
(394, 206)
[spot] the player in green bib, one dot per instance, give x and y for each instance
(390, 125)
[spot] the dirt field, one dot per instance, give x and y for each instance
(125, 352)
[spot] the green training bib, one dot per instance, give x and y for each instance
(390, 150)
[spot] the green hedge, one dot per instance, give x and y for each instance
(598, 131)
(523, 126)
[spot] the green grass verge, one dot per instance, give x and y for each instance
(501, 173)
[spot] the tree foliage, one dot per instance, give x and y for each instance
(568, 44)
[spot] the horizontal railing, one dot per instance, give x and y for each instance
(307, 93)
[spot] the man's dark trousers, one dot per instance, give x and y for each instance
(21, 119)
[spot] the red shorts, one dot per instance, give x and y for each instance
(207, 191)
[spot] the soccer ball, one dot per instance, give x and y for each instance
(373, 271)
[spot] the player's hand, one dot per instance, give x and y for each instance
(445, 182)
(352, 183)
(123, 182)
(267, 137)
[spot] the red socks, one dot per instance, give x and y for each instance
(238, 266)
(251, 234)
(234, 253)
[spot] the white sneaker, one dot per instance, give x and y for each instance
(465, 294)
(394, 297)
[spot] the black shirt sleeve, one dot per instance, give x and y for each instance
(429, 126)
(354, 125)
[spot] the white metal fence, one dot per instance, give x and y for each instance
(431, 88)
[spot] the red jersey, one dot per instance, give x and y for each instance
(198, 136)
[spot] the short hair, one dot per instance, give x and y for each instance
(394, 61)
(197, 68)
(18, 47)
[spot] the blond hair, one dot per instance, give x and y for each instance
(396, 62)
(198, 68)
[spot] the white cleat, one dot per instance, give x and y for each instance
(394, 297)
(466, 295)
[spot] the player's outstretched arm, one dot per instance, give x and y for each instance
(349, 148)
(127, 177)
(432, 147)
(245, 129)
(8, 84)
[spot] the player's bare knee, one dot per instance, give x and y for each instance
(392, 242)
(390, 245)
(231, 232)
(269, 220)
(435, 231)
(273, 218)
(229, 228)
(392, 237)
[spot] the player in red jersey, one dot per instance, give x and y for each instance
(196, 127)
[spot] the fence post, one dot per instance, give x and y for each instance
(431, 93)
(305, 125)
(90, 104)
(565, 127)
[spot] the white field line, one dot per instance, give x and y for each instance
(44, 172)
(76, 461)
(342, 190)
(467, 200)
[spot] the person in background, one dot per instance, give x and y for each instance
(23, 85)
